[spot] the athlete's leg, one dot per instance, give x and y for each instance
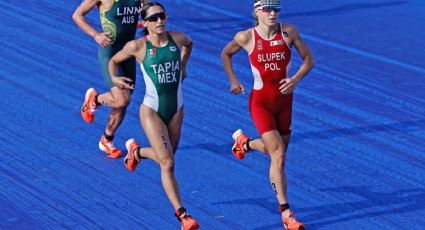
(158, 137)
(175, 128)
(263, 120)
(276, 146)
(118, 100)
(256, 144)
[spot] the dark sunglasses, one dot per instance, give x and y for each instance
(269, 9)
(154, 17)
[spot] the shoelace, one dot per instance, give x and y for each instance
(292, 220)
(92, 107)
(109, 145)
(187, 217)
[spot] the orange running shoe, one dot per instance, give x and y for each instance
(89, 106)
(109, 148)
(291, 223)
(130, 160)
(186, 220)
(188, 223)
(240, 140)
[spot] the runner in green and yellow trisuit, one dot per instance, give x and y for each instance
(162, 57)
(119, 24)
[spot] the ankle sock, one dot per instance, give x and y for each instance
(108, 137)
(96, 101)
(247, 144)
(283, 207)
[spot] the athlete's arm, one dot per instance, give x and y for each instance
(240, 40)
(185, 45)
(127, 52)
(288, 84)
(185, 53)
(79, 18)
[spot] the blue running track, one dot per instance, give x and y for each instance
(357, 156)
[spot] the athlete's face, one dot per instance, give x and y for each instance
(268, 15)
(155, 20)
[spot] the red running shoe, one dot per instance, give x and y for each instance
(130, 160)
(89, 106)
(291, 223)
(109, 148)
(186, 220)
(240, 140)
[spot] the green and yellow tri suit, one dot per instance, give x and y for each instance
(162, 74)
(121, 22)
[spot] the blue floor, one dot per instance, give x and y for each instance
(356, 158)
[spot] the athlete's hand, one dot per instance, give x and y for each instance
(122, 82)
(237, 88)
(288, 85)
(102, 39)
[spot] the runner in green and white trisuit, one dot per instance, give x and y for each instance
(162, 73)
(119, 24)
(162, 57)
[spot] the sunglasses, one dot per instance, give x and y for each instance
(154, 17)
(269, 9)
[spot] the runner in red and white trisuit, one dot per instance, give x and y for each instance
(270, 61)
(269, 47)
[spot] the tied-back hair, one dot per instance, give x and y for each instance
(144, 13)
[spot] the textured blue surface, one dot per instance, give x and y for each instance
(357, 156)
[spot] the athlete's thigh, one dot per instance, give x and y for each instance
(263, 118)
(284, 116)
(156, 132)
(128, 68)
(285, 140)
(175, 128)
(104, 55)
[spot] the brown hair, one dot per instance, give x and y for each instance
(144, 13)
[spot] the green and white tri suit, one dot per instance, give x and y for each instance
(121, 22)
(162, 74)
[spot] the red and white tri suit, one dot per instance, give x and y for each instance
(270, 63)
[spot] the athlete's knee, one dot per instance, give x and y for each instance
(123, 103)
(277, 158)
(167, 164)
(120, 103)
(275, 149)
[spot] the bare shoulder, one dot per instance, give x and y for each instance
(104, 4)
(243, 37)
(290, 30)
(135, 45)
(180, 38)
(177, 35)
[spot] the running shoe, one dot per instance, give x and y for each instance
(186, 220)
(130, 160)
(291, 223)
(240, 140)
(109, 148)
(89, 106)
